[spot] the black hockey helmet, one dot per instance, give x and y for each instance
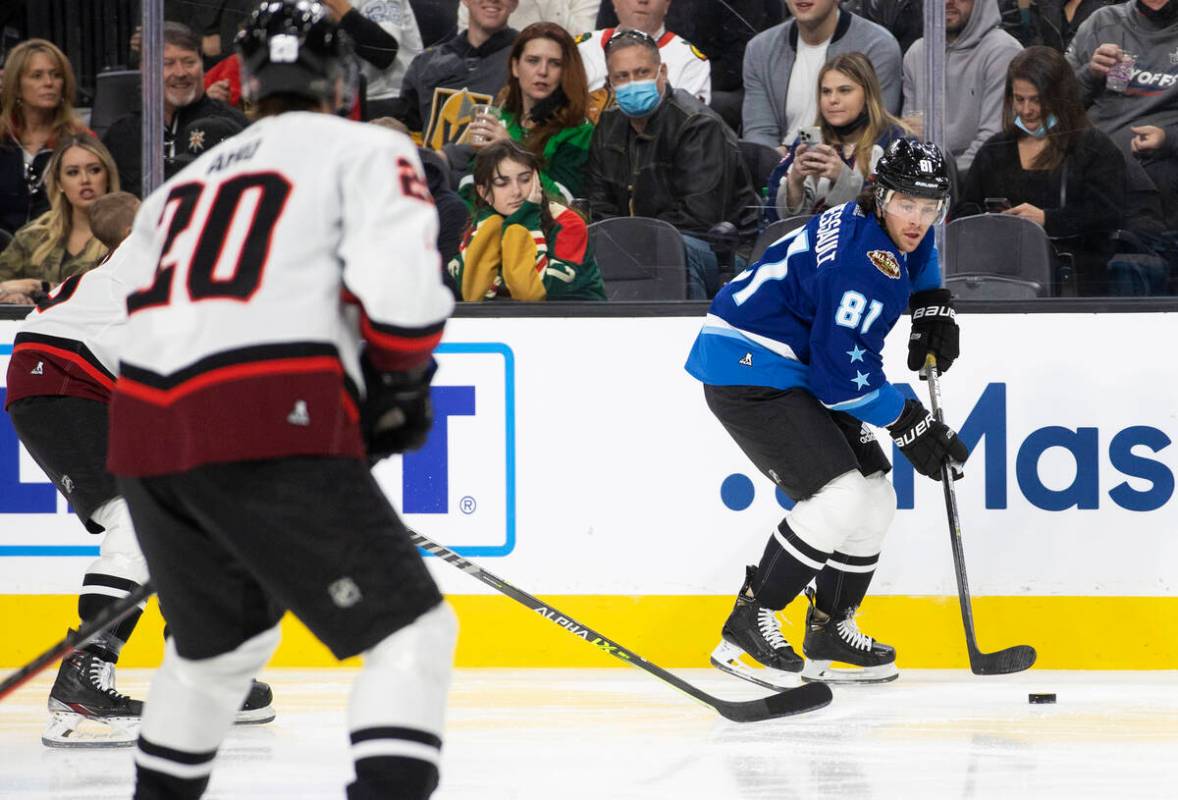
(293, 47)
(915, 168)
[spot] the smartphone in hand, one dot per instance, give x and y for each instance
(810, 136)
(996, 205)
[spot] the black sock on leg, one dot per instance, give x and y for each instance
(839, 590)
(782, 574)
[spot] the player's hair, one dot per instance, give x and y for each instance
(486, 169)
(12, 118)
(59, 219)
(111, 216)
(858, 68)
(180, 35)
(392, 123)
(1059, 93)
(565, 107)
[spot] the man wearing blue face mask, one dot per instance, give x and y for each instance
(663, 154)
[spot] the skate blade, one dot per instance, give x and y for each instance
(726, 658)
(817, 670)
(71, 730)
(255, 716)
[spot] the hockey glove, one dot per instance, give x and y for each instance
(397, 413)
(934, 329)
(926, 442)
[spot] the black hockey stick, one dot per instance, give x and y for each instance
(112, 615)
(783, 704)
(1003, 662)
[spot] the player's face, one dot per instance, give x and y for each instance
(82, 177)
(183, 76)
(490, 15)
(510, 186)
(841, 100)
(1024, 99)
(957, 14)
(907, 219)
(645, 15)
(539, 68)
(41, 83)
(812, 12)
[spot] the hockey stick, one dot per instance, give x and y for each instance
(112, 615)
(807, 697)
(1003, 662)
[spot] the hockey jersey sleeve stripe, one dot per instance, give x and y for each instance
(133, 382)
(78, 355)
(393, 349)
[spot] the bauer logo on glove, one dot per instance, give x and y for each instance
(934, 329)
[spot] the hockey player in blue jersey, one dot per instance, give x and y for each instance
(790, 356)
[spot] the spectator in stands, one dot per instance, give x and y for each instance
(444, 82)
(542, 108)
(663, 154)
(438, 22)
(60, 243)
(36, 111)
(1049, 165)
(111, 218)
(184, 101)
(856, 129)
(575, 16)
(386, 39)
(1047, 22)
(522, 245)
(904, 19)
(781, 67)
(687, 66)
(1143, 118)
(977, 54)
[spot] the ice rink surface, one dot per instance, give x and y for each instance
(618, 733)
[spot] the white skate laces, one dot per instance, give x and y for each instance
(770, 631)
(849, 632)
(102, 677)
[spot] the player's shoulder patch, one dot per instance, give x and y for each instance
(885, 261)
(584, 37)
(697, 52)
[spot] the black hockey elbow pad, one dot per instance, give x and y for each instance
(934, 329)
(397, 413)
(926, 442)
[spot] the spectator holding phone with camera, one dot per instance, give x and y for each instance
(1049, 165)
(829, 163)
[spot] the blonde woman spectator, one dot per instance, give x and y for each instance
(856, 129)
(36, 111)
(60, 243)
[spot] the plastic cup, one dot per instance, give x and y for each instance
(484, 110)
(1121, 73)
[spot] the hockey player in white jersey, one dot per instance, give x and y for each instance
(282, 338)
(60, 378)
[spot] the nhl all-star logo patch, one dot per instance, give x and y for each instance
(885, 262)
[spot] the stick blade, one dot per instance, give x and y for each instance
(1004, 662)
(807, 697)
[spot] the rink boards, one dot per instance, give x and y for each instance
(577, 459)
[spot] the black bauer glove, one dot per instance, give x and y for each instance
(934, 329)
(926, 442)
(397, 413)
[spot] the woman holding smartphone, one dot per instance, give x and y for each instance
(1049, 165)
(830, 162)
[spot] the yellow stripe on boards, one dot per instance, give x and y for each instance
(680, 631)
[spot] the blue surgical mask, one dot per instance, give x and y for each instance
(638, 98)
(1039, 132)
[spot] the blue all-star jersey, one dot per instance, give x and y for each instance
(814, 312)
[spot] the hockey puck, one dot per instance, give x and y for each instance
(1039, 699)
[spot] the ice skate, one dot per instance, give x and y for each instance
(753, 630)
(830, 640)
(85, 709)
(258, 706)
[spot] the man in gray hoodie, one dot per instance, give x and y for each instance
(976, 58)
(781, 67)
(1143, 119)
